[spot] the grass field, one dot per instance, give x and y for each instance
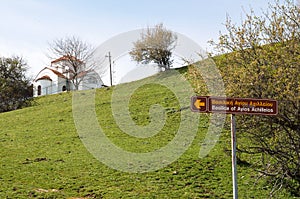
(42, 155)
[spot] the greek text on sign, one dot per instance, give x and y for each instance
(251, 106)
(242, 106)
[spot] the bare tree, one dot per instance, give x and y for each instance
(155, 45)
(77, 56)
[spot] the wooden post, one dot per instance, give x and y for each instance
(233, 154)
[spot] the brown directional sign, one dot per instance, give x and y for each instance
(199, 104)
(242, 106)
(235, 105)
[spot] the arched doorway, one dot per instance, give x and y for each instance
(39, 90)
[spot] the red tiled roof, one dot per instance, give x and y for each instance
(82, 74)
(61, 75)
(47, 77)
(66, 57)
(57, 73)
(44, 77)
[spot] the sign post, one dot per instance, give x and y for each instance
(250, 106)
(233, 156)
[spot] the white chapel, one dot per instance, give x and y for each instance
(57, 78)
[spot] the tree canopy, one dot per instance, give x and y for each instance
(260, 59)
(155, 45)
(15, 88)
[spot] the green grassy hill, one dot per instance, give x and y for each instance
(42, 155)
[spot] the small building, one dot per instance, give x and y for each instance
(58, 78)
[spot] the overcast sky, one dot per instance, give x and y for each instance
(27, 26)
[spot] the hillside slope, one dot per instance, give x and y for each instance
(43, 156)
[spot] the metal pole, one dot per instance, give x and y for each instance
(110, 69)
(233, 156)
